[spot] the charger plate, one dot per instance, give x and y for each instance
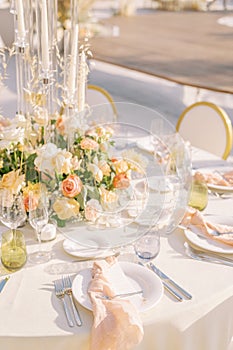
(140, 277)
(208, 243)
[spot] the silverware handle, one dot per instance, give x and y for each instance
(76, 313)
(215, 260)
(172, 291)
(218, 257)
(68, 316)
(180, 289)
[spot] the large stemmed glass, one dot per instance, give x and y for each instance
(38, 218)
(12, 215)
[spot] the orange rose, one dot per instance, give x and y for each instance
(121, 181)
(60, 125)
(33, 204)
(71, 186)
(89, 144)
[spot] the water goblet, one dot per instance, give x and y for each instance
(38, 218)
(147, 247)
(12, 214)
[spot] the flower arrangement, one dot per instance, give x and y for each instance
(81, 184)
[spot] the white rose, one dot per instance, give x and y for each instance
(96, 171)
(51, 159)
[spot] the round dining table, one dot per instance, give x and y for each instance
(32, 317)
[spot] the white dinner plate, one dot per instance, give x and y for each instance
(140, 277)
(80, 251)
(208, 243)
(218, 188)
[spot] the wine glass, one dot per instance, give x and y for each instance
(148, 246)
(12, 214)
(38, 218)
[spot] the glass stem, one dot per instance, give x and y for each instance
(39, 239)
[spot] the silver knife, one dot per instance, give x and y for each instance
(165, 278)
(166, 286)
(172, 291)
(3, 282)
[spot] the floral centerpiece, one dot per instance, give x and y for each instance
(81, 183)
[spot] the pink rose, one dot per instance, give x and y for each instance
(89, 144)
(71, 186)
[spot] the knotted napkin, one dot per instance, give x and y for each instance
(117, 324)
(194, 218)
(225, 179)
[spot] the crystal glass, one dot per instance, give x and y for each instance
(12, 214)
(148, 246)
(38, 218)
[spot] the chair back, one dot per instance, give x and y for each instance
(206, 126)
(102, 103)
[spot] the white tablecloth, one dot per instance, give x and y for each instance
(32, 317)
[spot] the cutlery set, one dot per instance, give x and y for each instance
(171, 286)
(63, 288)
(207, 256)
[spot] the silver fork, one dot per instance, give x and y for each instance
(67, 285)
(59, 291)
(206, 256)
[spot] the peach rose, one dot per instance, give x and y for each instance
(12, 181)
(71, 186)
(104, 167)
(108, 199)
(60, 125)
(65, 208)
(89, 144)
(121, 166)
(121, 181)
(30, 203)
(92, 210)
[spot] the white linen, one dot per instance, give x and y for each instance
(33, 318)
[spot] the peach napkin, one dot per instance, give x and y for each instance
(117, 324)
(195, 218)
(216, 179)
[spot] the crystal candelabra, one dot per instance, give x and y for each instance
(38, 66)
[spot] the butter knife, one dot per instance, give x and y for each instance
(166, 286)
(3, 282)
(167, 279)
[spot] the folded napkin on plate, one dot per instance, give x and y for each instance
(225, 179)
(117, 324)
(194, 218)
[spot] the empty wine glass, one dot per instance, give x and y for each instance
(12, 214)
(38, 218)
(148, 246)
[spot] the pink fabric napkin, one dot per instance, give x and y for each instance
(195, 218)
(216, 179)
(117, 324)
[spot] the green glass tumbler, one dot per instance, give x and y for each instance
(199, 195)
(13, 250)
